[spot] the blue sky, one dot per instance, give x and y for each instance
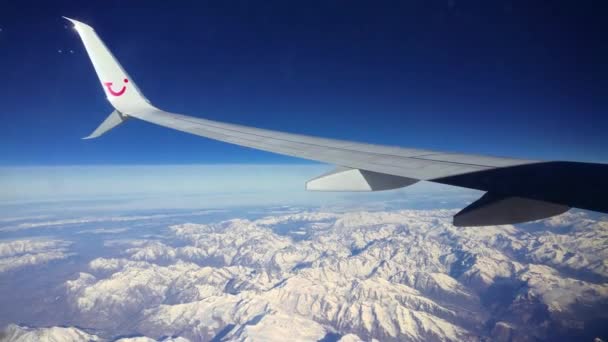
(507, 78)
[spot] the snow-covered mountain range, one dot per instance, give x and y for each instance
(26, 252)
(392, 276)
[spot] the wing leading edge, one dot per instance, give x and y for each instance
(365, 167)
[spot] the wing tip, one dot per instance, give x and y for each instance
(77, 24)
(73, 21)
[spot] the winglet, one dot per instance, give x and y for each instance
(118, 86)
(75, 22)
(113, 120)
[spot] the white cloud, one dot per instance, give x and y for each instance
(60, 223)
(23, 218)
(103, 231)
(26, 252)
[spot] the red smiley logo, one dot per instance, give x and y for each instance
(112, 91)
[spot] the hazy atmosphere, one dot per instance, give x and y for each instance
(151, 234)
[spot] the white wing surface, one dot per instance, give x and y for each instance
(511, 183)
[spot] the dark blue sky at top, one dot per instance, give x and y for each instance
(521, 79)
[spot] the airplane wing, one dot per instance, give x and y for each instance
(517, 190)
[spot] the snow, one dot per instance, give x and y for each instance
(16, 254)
(15, 333)
(385, 275)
